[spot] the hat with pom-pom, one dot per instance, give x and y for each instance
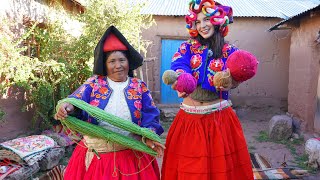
(219, 15)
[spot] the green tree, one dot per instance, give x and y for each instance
(64, 61)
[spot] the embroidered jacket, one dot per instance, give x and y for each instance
(97, 92)
(193, 58)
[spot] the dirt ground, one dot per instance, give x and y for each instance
(255, 126)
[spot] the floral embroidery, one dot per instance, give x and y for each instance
(179, 71)
(144, 88)
(91, 79)
(26, 145)
(197, 50)
(101, 81)
(225, 50)
(133, 94)
(196, 75)
(215, 65)
(210, 79)
(80, 91)
(138, 104)
(98, 96)
(95, 102)
(225, 54)
(136, 91)
(137, 114)
(196, 47)
(103, 97)
(103, 90)
(183, 48)
(135, 83)
(176, 56)
(194, 42)
(95, 87)
(196, 61)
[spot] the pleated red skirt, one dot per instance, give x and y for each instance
(206, 147)
(127, 163)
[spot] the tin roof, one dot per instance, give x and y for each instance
(292, 17)
(241, 8)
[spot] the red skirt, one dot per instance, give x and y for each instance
(127, 162)
(206, 147)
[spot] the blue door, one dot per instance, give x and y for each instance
(169, 47)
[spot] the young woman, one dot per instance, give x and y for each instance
(206, 140)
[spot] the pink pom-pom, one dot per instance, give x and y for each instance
(242, 64)
(186, 83)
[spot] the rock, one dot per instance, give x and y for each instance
(280, 127)
(296, 122)
(24, 172)
(51, 159)
(316, 135)
(295, 136)
(168, 114)
(312, 148)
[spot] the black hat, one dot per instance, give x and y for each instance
(134, 58)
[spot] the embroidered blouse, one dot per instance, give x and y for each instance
(192, 57)
(98, 91)
(117, 105)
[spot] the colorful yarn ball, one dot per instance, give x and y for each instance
(242, 64)
(186, 83)
(169, 77)
(222, 79)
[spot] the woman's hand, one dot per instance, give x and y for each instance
(222, 80)
(63, 111)
(156, 146)
(180, 94)
(173, 86)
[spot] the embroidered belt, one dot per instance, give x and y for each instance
(206, 109)
(96, 146)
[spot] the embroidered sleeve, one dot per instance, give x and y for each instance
(83, 93)
(150, 114)
(85, 90)
(181, 59)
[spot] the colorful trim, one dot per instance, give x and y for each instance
(206, 109)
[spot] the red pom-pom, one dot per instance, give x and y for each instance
(242, 64)
(186, 83)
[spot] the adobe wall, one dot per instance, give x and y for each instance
(304, 70)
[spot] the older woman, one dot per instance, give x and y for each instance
(113, 89)
(205, 140)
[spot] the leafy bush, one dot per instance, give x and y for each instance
(64, 61)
